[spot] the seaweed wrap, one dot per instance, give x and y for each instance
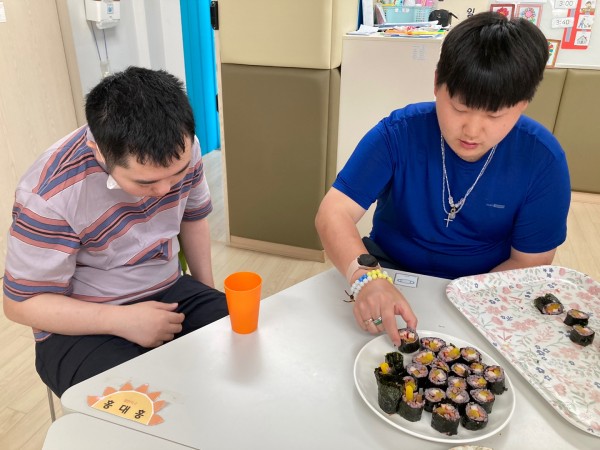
(389, 391)
(449, 354)
(432, 343)
(494, 375)
(445, 419)
(438, 378)
(582, 335)
(409, 340)
(549, 304)
(433, 397)
(576, 317)
(469, 355)
(424, 357)
(457, 382)
(460, 370)
(419, 372)
(475, 417)
(484, 397)
(411, 406)
(476, 382)
(477, 368)
(458, 398)
(396, 362)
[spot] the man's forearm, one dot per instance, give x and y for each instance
(195, 241)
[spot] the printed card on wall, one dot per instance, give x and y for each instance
(136, 404)
(578, 36)
(506, 9)
(553, 47)
(530, 11)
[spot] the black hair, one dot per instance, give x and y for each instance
(141, 113)
(490, 62)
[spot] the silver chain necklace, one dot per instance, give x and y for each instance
(456, 207)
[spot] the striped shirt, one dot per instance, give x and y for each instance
(72, 235)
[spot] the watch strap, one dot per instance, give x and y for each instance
(354, 266)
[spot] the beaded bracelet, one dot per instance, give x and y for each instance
(364, 279)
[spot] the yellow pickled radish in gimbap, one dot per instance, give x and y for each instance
(438, 378)
(549, 304)
(474, 418)
(445, 419)
(457, 382)
(449, 354)
(582, 335)
(476, 382)
(411, 405)
(460, 370)
(477, 368)
(385, 368)
(576, 317)
(409, 340)
(424, 357)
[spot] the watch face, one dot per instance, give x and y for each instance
(367, 260)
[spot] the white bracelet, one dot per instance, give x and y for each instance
(364, 279)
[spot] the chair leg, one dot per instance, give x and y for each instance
(51, 404)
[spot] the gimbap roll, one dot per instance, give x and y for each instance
(411, 406)
(445, 419)
(441, 364)
(484, 397)
(549, 304)
(494, 375)
(449, 354)
(469, 355)
(476, 382)
(432, 343)
(460, 370)
(458, 397)
(576, 317)
(477, 368)
(389, 391)
(457, 382)
(582, 335)
(395, 361)
(419, 372)
(433, 397)
(409, 340)
(474, 418)
(438, 378)
(424, 357)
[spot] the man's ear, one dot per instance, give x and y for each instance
(97, 152)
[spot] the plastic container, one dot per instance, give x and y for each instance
(404, 14)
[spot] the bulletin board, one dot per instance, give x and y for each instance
(572, 28)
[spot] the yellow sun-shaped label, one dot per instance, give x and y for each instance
(136, 404)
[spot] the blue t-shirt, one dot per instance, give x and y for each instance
(521, 201)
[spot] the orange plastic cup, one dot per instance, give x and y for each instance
(242, 290)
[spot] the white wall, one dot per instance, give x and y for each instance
(148, 35)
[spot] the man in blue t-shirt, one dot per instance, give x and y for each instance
(464, 185)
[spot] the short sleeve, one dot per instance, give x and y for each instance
(199, 203)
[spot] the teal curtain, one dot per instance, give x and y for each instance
(200, 71)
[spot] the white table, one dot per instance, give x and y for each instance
(290, 384)
(78, 431)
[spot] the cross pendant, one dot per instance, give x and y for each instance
(451, 216)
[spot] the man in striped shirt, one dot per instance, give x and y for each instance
(92, 260)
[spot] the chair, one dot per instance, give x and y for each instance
(51, 404)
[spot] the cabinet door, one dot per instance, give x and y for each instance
(36, 103)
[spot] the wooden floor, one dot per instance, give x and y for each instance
(24, 413)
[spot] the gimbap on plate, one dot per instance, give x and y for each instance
(582, 335)
(409, 340)
(433, 397)
(441, 364)
(411, 406)
(457, 382)
(477, 368)
(494, 375)
(424, 357)
(438, 378)
(445, 419)
(476, 382)
(484, 397)
(458, 398)
(474, 418)
(460, 370)
(419, 372)
(549, 304)
(576, 317)
(395, 361)
(449, 354)
(432, 343)
(470, 355)
(389, 391)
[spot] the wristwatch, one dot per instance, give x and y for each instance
(364, 261)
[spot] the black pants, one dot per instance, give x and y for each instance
(62, 361)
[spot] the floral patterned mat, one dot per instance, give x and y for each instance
(500, 305)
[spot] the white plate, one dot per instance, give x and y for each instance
(373, 354)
